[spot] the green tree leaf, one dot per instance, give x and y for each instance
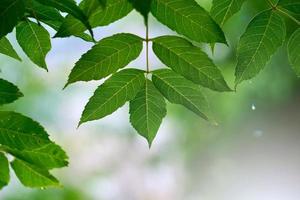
(35, 42)
(4, 172)
(263, 36)
(7, 49)
(32, 176)
(106, 57)
(294, 51)
(179, 90)
(97, 14)
(222, 10)
(186, 17)
(143, 7)
(11, 11)
(147, 110)
(292, 6)
(189, 61)
(8, 92)
(113, 94)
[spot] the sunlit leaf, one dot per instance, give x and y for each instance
(294, 51)
(189, 61)
(8, 92)
(113, 94)
(7, 49)
(4, 171)
(147, 110)
(263, 36)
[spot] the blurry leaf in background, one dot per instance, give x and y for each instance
(179, 90)
(7, 49)
(186, 17)
(11, 11)
(8, 92)
(106, 57)
(222, 10)
(263, 36)
(147, 111)
(4, 170)
(189, 61)
(294, 51)
(113, 94)
(35, 41)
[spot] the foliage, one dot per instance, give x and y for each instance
(188, 67)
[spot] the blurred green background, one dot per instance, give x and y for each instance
(252, 154)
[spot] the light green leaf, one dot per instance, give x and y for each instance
(32, 176)
(189, 61)
(97, 14)
(263, 36)
(7, 49)
(179, 90)
(106, 57)
(8, 92)
(186, 17)
(147, 110)
(113, 94)
(11, 11)
(4, 171)
(222, 10)
(35, 42)
(294, 51)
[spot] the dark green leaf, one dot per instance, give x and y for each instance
(294, 51)
(142, 6)
(291, 5)
(106, 57)
(97, 14)
(179, 90)
(11, 11)
(4, 171)
(113, 94)
(8, 92)
(147, 110)
(189, 61)
(263, 36)
(7, 49)
(35, 42)
(32, 176)
(189, 19)
(222, 10)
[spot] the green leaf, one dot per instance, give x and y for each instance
(186, 17)
(147, 110)
(70, 7)
(294, 51)
(35, 42)
(97, 14)
(11, 11)
(292, 6)
(8, 92)
(113, 94)
(7, 49)
(32, 176)
(263, 36)
(189, 61)
(179, 90)
(222, 10)
(106, 57)
(143, 7)
(4, 171)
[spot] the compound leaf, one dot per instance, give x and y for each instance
(179, 90)
(11, 11)
(106, 57)
(263, 36)
(114, 93)
(32, 176)
(143, 7)
(189, 61)
(147, 110)
(294, 51)
(186, 17)
(7, 49)
(222, 10)
(8, 92)
(35, 41)
(4, 172)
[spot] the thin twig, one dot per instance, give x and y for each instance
(147, 48)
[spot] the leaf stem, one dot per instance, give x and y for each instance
(147, 48)
(271, 3)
